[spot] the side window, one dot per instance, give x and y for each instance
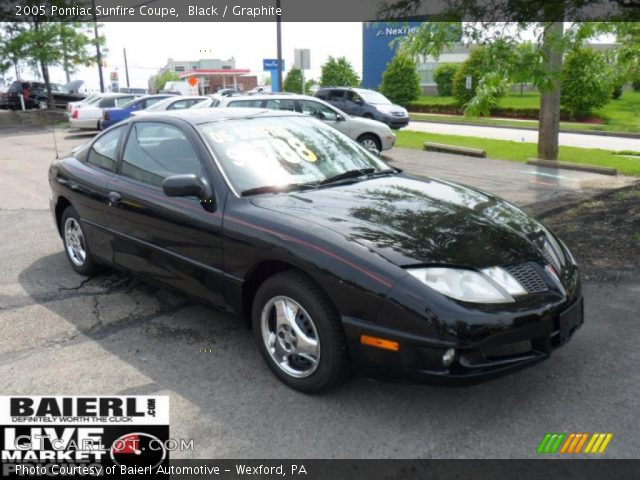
(103, 151)
(282, 104)
(122, 100)
(245, 104)
(181, 104)
(336, 95)
(353, 97)
(148, 102)
(107, 103)
(155, 151)
(318, 110)
(322, 94)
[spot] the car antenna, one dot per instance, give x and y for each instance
(55, 142)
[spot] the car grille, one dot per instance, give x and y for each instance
(528, 277)
(398, 114)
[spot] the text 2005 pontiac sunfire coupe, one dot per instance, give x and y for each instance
(337, 260)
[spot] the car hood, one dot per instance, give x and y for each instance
(74, 86)
(411, 222)
(391, 108)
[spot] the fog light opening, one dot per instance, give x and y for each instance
(448, 357)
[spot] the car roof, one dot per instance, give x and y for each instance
(270, 96)
(208, 115)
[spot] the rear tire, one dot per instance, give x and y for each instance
(299, 334)
(75, 244)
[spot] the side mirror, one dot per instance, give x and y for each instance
(188, 185)
(340, 118)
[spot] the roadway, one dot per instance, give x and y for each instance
(530, 136)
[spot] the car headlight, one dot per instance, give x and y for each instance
(491, 285)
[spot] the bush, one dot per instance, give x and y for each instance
(338, 72)
(617, 91)
(587, 81)
(475, 67)
(636, 85)
(400, 81)
(293, 81)
(443, 77)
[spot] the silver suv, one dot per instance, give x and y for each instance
(371, 134)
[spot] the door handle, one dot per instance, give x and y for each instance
(114, 198)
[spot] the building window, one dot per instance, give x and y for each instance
(425, 72)
(178, 68)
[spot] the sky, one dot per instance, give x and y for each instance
(149, 45)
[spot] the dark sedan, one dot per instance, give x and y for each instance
(335, 259)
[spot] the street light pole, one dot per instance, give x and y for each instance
(126, 66)
(98, 55)
(279, 46)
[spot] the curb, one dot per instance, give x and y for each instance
(572, 166)
(442, 147)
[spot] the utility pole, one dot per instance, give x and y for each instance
(279, 46)
(126, 66)
(98, 55)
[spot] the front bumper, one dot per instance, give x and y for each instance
(393, 121)
(420, 358)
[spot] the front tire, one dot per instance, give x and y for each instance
(75, 243)
(299, 333)
(370, 142)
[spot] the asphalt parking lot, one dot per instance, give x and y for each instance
(65, 334)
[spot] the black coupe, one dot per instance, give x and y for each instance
(336, 259)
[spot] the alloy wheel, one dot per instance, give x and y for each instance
(290, 336)
(74, 242)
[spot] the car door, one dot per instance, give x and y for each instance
(325, 114)
(336, 97)
(86, 186)
(354, 104)
(173, 240)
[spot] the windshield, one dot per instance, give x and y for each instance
(160, 105)
(93, 99)
(203, 104)
(129, 103)
(278, 151)
(374, 98)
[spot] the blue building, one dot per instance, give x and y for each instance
(377, 48)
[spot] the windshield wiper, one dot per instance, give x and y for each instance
(347, 175)
(388, 171)
(277, 188)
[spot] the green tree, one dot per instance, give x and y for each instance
(293, 81)
(525, 65)
(475, 66)
(45, 43)
(338, 72)
(443, 76)
(551, 41)
(167, 76)
(587, 81)
(308, 84)
(400, 81)
(11, 47)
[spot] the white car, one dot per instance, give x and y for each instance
(88, 116)
(91, 99)
(371, 134)
(211, 101)
(178, 102)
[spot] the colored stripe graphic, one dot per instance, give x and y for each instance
(551, 442)
(572, 443)
(598, 443)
